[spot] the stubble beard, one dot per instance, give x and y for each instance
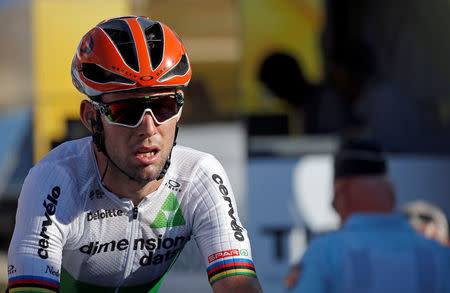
(143, 176)
(140, 175)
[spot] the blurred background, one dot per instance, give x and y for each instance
(276, 85)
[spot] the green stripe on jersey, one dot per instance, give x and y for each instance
(70, 285)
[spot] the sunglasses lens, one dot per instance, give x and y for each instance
(124, 113)
(164, 108)
(129, 112)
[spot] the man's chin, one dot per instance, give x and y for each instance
(148, 175)
(142, 180)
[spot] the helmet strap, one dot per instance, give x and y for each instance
(167, 164)
(99, 140)
(97, 133)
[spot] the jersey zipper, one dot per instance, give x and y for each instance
(135, 212)
(131, 252)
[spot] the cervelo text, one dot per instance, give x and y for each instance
(50, 210)
(236, 228)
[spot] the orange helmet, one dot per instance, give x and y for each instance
(128, 53)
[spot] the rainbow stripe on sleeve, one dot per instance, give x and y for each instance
(32, 284)
(225, 268)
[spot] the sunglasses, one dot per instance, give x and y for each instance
(131, 112)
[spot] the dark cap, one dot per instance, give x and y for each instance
(359, 157)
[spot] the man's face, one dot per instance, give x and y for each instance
(140, 152)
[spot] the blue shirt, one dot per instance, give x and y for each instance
(374, 253)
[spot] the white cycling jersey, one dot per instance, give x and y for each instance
(74, 235)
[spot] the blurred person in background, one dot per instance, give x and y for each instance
(364, 104)
(353, 100)
(112, 212)
(375, 250)
(427, 219)
(282, 74)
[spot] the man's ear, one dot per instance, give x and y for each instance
(340, 189)
(88, 115)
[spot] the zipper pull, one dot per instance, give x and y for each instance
(135, 212)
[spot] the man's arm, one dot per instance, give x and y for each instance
(222, 239)
(237, 284)
(292, 276)
(35, 251)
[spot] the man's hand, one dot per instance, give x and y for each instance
(292, 277)
(237, 284)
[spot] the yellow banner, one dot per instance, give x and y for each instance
(57, 28)
(277, 26)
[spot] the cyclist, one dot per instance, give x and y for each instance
(112, 212)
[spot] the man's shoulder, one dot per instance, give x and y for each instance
(67, 150)
(183, 151)
(188, 159)
(195, 166)
(69, 164)
(325, 239)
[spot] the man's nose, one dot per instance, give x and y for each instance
(148, 125)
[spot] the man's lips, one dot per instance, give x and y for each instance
(146, 152)
(146, 149)
(146, 155)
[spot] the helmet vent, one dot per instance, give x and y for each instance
(178, 70)
(100, 75)
(154, 36)
(120, 33)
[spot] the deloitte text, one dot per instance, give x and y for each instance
(100, 214)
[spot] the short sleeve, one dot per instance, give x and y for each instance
(217, 229)
(35, 251)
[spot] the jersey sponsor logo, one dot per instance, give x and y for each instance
(153, 245)
(156, 259)
(50, 209)
(173, 185)
(223, 254)
(11, 269)
(170, 214)
(234, 225)
(52, 271)
(227, 253)
(96, 194)
(149, 244)
(102, 214)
